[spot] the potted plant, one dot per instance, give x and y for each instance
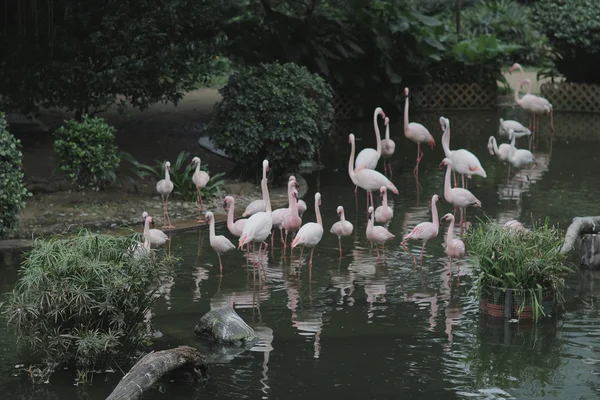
(520, 272)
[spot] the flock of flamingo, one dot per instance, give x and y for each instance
(259, 220)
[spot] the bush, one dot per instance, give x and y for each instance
(279, 112)
(12, 191)
(87, 152)
(82, 299)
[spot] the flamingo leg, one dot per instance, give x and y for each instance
(272, 239)
(422, 250)
(162, 200)
(220, 265)
(300, 259)
(167, 211)
(282, 239)
(340, 243)
(463, 181)
(200, 205)
(356, 197)
(390, 168)
(378, 255)
(265, 252)
(403, 244)
(416, 170)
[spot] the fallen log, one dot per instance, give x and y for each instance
(579, 226)
(153, 366)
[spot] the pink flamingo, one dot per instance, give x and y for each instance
(155, 236)
(417, 133)
(387, 149)
(384, 213)
(310, 234)
(220, 244)
(463, 161)
(458, 197)
(141, 250)
(377, 234)
(424, 231)
(367, 179)
(292, 221)
(258, 227)
(502, 152)
(342, 227)
(519, 158)
(258, 205)
(368, 158)
(535, 106)
(516, 126)
(164, 187)
(454, 248)
(280, 214)
(200, 179)
(235, 228)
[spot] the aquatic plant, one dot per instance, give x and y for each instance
(82, 300)
(12, 190)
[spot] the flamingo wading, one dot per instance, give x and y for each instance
(342, 227)
(164, 187)
(220, 244)
(387, 149)
(424, 231)
(377, 234)
(200, 179)
(417, 133)
(310, 234)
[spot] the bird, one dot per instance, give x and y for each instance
(341, 227)
(292, 221)
(384, 213)
(417, 133)
(458, 197)
(387, 149)
(535, 106)
(377, 234)
(141, 250)
(515, 226)
(301, 207)
(220, 244)
(200, 179)
(454, 248)
(310, 234)
(155, 236)
(235, 228)
(367, 179)
(368, 158)
(516, 126)
(258, 227)
(257, 205)
(502, 152)
(519, 158)
(280, 214)
(424, 231)
(164, 187)
(463, 161)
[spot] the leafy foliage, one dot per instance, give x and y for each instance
(573, 28)
(83, 299)
(274, 111)
(87, 152)
(12, 190)
(181, 176)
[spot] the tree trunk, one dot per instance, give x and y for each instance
(580, 225)
(153, 366)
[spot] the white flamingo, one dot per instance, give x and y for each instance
(164, 187)
(292, 221)
(458, 197)
(258, 205)
(236, 228)
(280, 214)
(155, 236)
(367, 179)
(424, 231)
(417, 133)
(519, 158)
(502, 152)
(141, 250)
(532, 109)
(377, 234)
(220, 244)
(384, 213)
(516, 126)
(387, 149)
(454, 248)
(310, 234)
(368, 158)
(463, 161)
(258, 227)
(200, 179)
(342, 227)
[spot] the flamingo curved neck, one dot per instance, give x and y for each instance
(198, 166)
(406, 116)
(290, 195)
(147, 228)
(351, 161)
(450, 234)
(447, 184)
(294, 206)
(318, 212)
(434, 215)
(266, 198)
(446, 141)
(384, 202)
(512, 149)
(495, 145)
(264, 172)
(377, 133)
(387, 131)
(211, 228)
(167, 176)
(230, 212)
(370, 223)
(342, 216)
(517, 99)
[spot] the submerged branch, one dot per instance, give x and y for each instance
(579, 226)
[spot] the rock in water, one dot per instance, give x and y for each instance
(224, 325)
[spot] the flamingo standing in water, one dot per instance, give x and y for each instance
(519, 158)
(424, 231)
(367, 179)
(164, 187)
(342, 227)
(387, 149)
(235, 228)
(200, 179)
(310, 234)
(517, 127)
(292, 221)
(535, 106)
(377, 234)
(463, 161)
(384, 213)
(454, 248)
(280, 214)
(458, 197)
(258, 205)
(502, 152)
(220, 244)
(417, 133)
(155, 236)
(141, 250)
(368, 158)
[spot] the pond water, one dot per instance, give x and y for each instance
(363, 328)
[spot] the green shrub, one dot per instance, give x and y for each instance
(82, 300)
(87, 152)
(279, 112)
(12, 191)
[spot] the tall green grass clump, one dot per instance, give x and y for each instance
(81, 301)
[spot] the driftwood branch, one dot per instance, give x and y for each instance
(152, 367)
(579, 226)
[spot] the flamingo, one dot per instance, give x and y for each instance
(519, 158)
(424, 231)
(502, 152)
(257, 205)
(377, 234)
(454, 248)
(368, 158)
(384, 213)
(515, 226)
(141, 250)
(280, 214)
(200, 179)
(535, 106)
(417, 133)
(258, 227)
(310, 234)
(155, 236)
(387, 148)
(458, 197)
(516, 126)
(236, 228)
(342, 227)
(367, 179)
(164, 187)
(463, 161)
(220, 244)
(292, 221)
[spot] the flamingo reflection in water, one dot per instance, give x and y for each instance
(308, 323)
